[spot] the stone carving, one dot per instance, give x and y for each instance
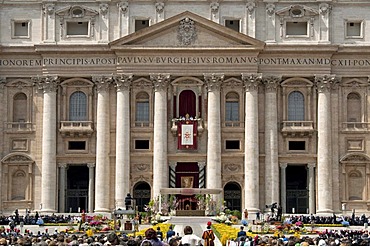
(159, 7)
(271, 83)
(214, 7)
(325, 8)
(324, 83)
(123, 6)
(142, 167)
(270, 9)
(233, 83)
(250, 6)
(187, 32)
(102, 82)
(49, 8)
(160, 81)
(214, 81)
(17, 159)
(123, 82)
(104, 8)
(251, 81)
(232, 168)
(47, 83)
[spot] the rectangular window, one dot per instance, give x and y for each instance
(354, 29)
(140, 24)
(297, 145)
(232, 145)
(78, 28)
(232, 111)
(77, 145)
(142, 112)
(233, 24)
(142, 144)
(21, 29)
(296, 28)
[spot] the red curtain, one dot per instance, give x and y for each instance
(187, 104)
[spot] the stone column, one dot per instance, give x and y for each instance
(2, 126)
(90, 205)
(324, 173)
(311, 188)
(62, 187)
(102, 185)
(49, 86)
(123, 84)
(213, 176)
(283, 167)
(271, 141)
(160, 164)
(251, 150)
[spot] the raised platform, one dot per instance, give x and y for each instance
(190, 213)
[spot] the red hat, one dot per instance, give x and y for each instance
(209, 223)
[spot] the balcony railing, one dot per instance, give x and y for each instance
(200, 128)
(297, 127)
(232, 124)
(76, 128)
(18, 126)
(355, 126)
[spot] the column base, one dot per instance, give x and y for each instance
(48, 211)
(324, 212)
(102, 210)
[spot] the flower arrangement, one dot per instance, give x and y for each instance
(226, 232)
(163, 226)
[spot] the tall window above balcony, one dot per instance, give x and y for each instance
(187, 103)
(78, 106)
(20, 108)
(353, 107)
(232, 109)
(296, 106)
(142, 109)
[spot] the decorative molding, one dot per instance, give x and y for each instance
(251, 6)
(123, 6)
(324, 83)
(251, 81)
(104, 7)
(46, 83)
(270, 9)
(62, 165)
(283, 165)
(234, 168)
(187, 32)
(91, 165)
(123, 82)
(142, 167)
(160, 81)
(17, 158)
(325, 8)
(49, 8)
(214, 81)
(102, 82)
(159, 7)
(271, 83)
(214, 7)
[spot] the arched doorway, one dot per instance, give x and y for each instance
(233, 196)
(187, 103)
(296, 189)
(77, 188)
(142, 195)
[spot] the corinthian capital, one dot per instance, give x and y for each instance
(214, 81)
(47, 83)
(102, 82)
(123, 82)
(324, 83)
(160, 81)
(251, 81)
(271, 82)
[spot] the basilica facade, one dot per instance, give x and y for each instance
(249, 101)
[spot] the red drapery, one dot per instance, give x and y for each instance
(187, 104)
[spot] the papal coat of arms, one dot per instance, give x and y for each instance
(187, 32)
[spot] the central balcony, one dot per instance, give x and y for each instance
(76, 128)
(297, 128)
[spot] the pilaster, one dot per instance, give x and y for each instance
(270, 23)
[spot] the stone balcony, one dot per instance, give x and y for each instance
(76, 128)
(297, 128)
(199, 121)
(18, 127)
(355, 127)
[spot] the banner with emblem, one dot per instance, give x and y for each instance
(187, 134)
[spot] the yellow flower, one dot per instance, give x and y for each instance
(89, 232)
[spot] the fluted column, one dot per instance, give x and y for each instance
(283, 167)
(102, 185)
(123, 84)
(311, 188)
(90, 205)
(49, 86)
(271, 140)
(251, 150)
(62, 187)
(160, 164)
(324, 173)
(213, 179)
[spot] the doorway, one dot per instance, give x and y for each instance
(296, 189)
(233, 196)
(77, 188)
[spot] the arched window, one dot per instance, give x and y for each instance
(356, 185)
(142, 195)
(142, 109)
(20, 108)
(19, 185)
(232, 108)
(296, 106)
(353, 107)
(78, 106)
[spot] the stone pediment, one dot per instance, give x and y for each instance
(187, 30)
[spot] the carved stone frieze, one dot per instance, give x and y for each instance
(17, 159)
(104, 7)
(141, 167)
(214, 7)
(324, 8)
(234, 168)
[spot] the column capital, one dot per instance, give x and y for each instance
(47, 83)
(160, 81)
(251, 6)
(123, 6)
(324, 8)
(49, 8)
(201, 165)
(123, 82)
(311, 165)
(102, 82)
(270, 9)
(324, 83)
(62, 165)
(159, 7)
(251, 81)
(90, 165)
(271, 83)
(213, 81)
(283, 165)
(173, 165)
(2, 82)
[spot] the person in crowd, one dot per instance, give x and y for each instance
(151, 235)
(189, 238)
(170, 234)
(159, 233)
(241, 233)
(208, 236)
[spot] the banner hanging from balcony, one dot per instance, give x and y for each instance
(187, 134)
